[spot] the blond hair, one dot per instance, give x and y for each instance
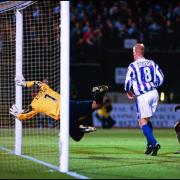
(139, 48)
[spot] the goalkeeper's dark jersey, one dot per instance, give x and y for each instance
(47, 101)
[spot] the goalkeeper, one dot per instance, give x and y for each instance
(47, 101)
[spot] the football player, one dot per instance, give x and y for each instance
(177, 129)
(143, 78)
(47, 101)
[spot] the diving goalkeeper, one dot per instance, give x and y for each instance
(47, 101)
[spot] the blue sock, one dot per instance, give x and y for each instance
(151, 127)
(149, 135)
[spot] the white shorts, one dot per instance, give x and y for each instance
(146, 104)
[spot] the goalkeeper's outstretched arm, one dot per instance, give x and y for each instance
(22, 115)
(26, 113)
(28, 84)
(20, 81)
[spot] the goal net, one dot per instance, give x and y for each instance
(7, 88)
(41, 62)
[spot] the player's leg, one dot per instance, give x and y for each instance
(149, 147)
(108, 122)
(77, 110)
(151, 141)
(142, 123)
(177, 129)
(98, 96)
(154, 103)
(144, 109)
(111, 121)
(75, 132)
(104, 123)
(80, 109)
(83, 108)
(99, 93)
(177, 107)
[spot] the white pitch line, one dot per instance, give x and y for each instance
(70, 173)
(74, 174)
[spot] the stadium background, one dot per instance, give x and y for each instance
(100, 29)
(100, 54)
(102, 36)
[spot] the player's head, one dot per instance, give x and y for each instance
(138, 51)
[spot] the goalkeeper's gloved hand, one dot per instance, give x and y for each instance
(14, 110)
(20, 81)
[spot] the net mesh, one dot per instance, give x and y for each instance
(41, 62)
(7, 88)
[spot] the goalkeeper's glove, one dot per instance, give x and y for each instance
(14, 110)
(20, 81)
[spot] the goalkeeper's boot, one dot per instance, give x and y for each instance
(99, 92)
(87, 129)
(149, 150)
(156, 149)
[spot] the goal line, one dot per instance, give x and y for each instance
(56, 168)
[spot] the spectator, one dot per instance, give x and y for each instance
(177, 33)
(154, 33)
(177, 10)
(169, 30)
(118, 20)
(103, 114)
(36, 13)
(56, 9)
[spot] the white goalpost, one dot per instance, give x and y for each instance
(35, 44)
(19, 52)
(65, 63)
(64, 79)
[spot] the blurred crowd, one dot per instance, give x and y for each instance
(100, 25)
(40, 25)
(97, 26)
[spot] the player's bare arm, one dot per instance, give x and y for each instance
(130, 95)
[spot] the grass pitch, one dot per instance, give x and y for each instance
(104, 154)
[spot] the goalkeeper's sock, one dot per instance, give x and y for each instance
(149, 135)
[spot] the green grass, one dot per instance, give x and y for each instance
(13, 167)
(109, 154)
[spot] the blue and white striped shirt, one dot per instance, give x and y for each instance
(143, 75)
